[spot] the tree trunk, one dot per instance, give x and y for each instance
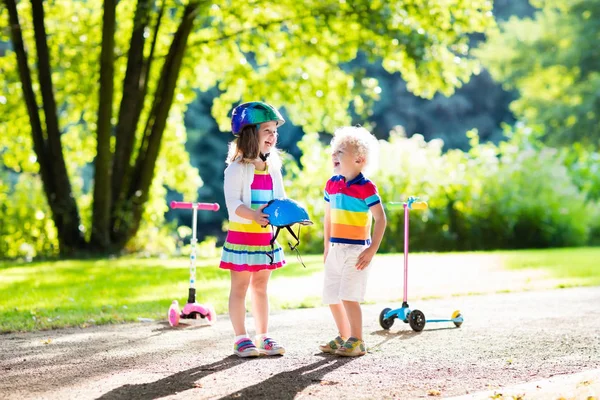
(48, 149)
(131, 212)
(100, 238)
(39, 142)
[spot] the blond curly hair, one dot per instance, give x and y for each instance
(360, 142)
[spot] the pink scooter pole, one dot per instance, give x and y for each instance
(192, 309)
(405, 253)
(195, 207)
(412, 203)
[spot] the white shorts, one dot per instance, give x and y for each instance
(342, 280)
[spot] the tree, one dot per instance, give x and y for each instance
(113, 79)
(553, 61)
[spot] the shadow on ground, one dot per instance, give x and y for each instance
(172, 384)
(284, 385)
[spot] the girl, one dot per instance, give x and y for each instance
(252, 178)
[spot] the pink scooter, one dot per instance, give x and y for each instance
(192, 310)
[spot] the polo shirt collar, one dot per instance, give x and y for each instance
(357, 179)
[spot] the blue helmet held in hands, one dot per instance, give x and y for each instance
(286, 212)
(283, 213)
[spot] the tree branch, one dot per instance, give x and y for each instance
(66, 214)
(39, 142)
(52, 168)
(151, 141)
(102, 175)
(131, 102)
(45, 77)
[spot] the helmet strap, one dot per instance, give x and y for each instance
(264, 156)
(296, 236)
(295, 247)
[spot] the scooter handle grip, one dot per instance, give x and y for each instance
(199, 206)
(419, 205)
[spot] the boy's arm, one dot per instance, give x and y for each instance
(326, 230)
(380, 222)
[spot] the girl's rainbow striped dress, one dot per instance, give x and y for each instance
(247, 245)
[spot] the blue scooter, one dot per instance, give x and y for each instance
(415, 318)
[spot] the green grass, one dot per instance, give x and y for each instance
(571, 264)
(46, 295)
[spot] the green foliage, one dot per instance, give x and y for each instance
(552, 60)
(25, 229)
(74, 54)
(287, 52)
(512, 195)
(296, 50)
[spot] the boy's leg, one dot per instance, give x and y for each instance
(354, 314)
(352, 292)
(237, 301)
(331, 289)
(260, 300)
(341, 320)
(354, 346)
(331, 292)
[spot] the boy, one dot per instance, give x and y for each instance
(352, 202)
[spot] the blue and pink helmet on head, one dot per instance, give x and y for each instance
(253, 113)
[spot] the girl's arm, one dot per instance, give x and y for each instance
(255, 215)
(233, 186)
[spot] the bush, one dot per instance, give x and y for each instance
(512, 195)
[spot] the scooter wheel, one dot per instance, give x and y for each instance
(386, 323)
(416, 320)
(456, 314)
(211, 317)
(174, 314)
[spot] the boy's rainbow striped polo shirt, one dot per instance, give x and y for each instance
(350, 212)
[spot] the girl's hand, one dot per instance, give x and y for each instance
(259, 217)
(364, 259)
(325, 252)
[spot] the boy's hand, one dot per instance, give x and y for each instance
(325, 252)
(261, 218)
(364, 259)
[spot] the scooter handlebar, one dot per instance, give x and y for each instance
(412, 205)
(199, 206)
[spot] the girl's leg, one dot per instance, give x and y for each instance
(341, 320)
(260, 300)
(237, 301)
(354, 313)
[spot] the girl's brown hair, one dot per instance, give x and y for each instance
(245, 146)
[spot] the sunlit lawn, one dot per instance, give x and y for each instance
(579, 264)
(45, 295)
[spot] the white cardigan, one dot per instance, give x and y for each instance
(238, 178)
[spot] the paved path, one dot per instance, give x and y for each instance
(506, 340)
(447, 274)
